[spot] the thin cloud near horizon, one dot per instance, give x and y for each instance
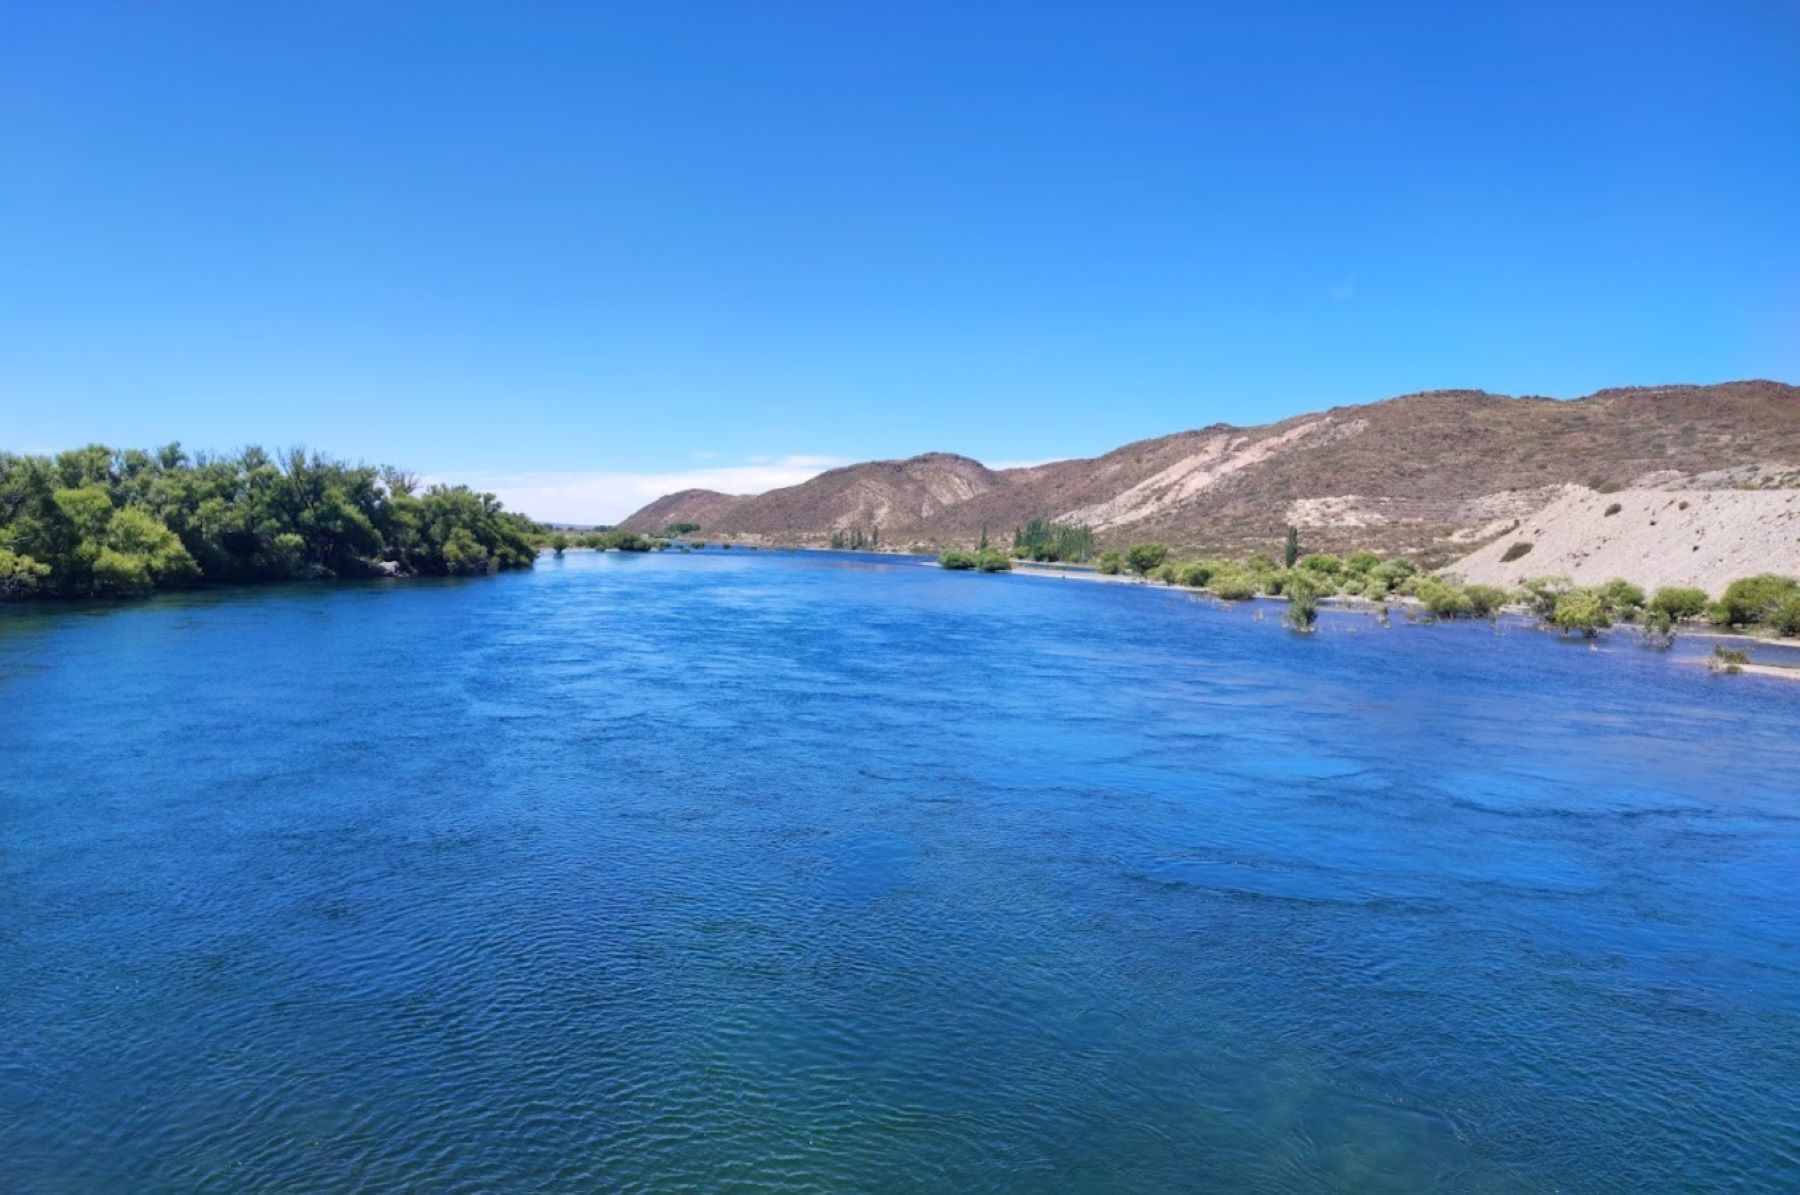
(609, 495)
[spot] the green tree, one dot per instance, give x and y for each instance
(1755, 599)
(1542, 594)
(1303, 603)
(1623, 599)
(992, 561)
(1109, 564)
(1234, 585)
(105, 522)
(1443, 599)
(1484, 600)
(1679, 602)
(1290, 554)
(1144, 558)
(1786, 617)
(1581, 610)
(20, 576)
(956, 558)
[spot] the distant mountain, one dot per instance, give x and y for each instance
(1429, 474)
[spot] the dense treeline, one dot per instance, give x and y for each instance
(1046, 541)
(97, 522)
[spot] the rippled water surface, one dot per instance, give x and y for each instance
(811, 872)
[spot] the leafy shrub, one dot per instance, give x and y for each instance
(1145, 558)
(1233, 586)
(1541, 593)
(1728, 660)
(1516, 552)
(1196, 573)
(1323, 563)
(1361, 563)
(1109, 563)
(1581, 610)
(1622, 598)
(1484, 600)
(559, 543)
(1659, 626)
(1275, 581)
(992, 561)
(1786, 618)
(956, 559)
(1395, 573)
(1753, 599)
(1303, 608)
(20, 576)
(1679, 602)
(1169, 573)
(1443, 599)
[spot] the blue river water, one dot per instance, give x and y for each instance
(817, 872)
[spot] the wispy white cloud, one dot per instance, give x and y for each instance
(997, 465)
(606, 496)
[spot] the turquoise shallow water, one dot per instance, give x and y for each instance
(816, 872)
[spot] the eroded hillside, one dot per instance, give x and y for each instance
(1433, 475)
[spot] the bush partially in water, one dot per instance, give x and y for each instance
(1728, 660)
(1679, 602)
(992, 561)
(1303, 608)
(1755, 599)
(1786, 618)
(1623, 599)
(1233, 586)
(1484, 600)
(956, 558)
(1394, 572)
(1583, 611)
(1443, 599)
(1541, 593)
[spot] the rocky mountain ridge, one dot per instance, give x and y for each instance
(1431, 474)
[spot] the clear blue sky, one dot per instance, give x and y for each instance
(603, 241)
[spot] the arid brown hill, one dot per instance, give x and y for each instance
(1430, 474)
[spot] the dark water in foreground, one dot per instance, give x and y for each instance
(812, 873)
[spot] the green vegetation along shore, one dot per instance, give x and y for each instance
(1766, 602)
(100, 522)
